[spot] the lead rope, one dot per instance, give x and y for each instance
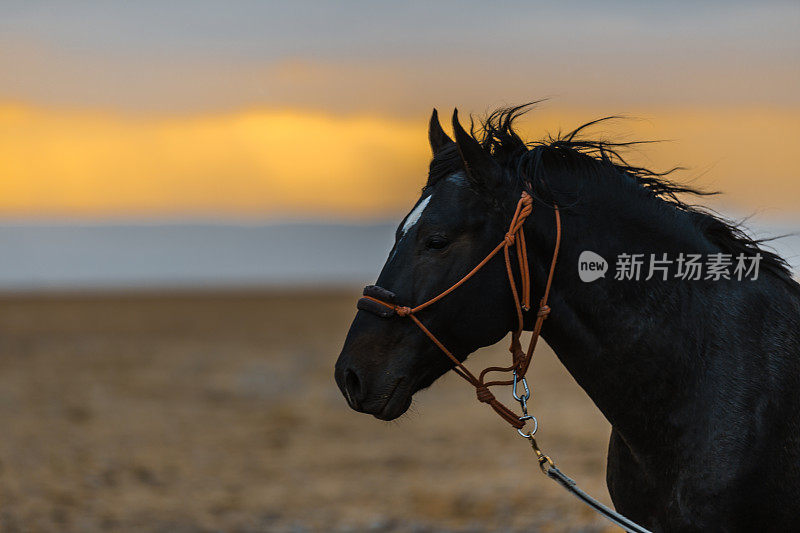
(380, 301)
(549, 468)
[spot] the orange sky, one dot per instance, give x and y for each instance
(263, 163)
(298, 109)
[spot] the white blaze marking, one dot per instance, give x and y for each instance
(411, 219)
(413, 216)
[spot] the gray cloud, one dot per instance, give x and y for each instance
(387, 57)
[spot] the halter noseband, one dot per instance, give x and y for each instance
(381, 302)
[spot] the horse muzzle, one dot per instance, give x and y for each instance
(386, 397)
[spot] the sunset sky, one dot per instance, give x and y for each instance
(297, 110)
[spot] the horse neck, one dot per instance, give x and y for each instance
(624, 342)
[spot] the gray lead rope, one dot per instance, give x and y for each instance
(565, 481)
(549, 468)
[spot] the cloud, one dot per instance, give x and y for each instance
(260, 162)
(388, 58)
(268, 163)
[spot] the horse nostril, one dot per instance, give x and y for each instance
(352, 388)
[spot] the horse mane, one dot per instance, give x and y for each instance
(528, 164)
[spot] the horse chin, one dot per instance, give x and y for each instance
(395, 407)
(399, 402)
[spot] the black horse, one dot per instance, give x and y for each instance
(699, 378)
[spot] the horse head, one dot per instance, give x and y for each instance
(462, 214)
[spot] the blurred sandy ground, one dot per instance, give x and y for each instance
(218, 412)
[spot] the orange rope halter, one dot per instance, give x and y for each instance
(521, 360)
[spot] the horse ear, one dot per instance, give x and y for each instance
(436, 135)
(482, 170)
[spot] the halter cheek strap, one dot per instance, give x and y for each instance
(382, 303)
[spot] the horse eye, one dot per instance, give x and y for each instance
(437, 242)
